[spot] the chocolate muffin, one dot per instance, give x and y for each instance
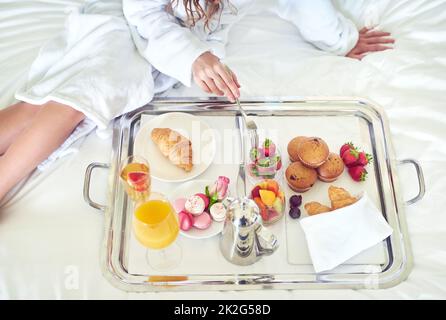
(299, 177)
(331, 169)
(293, 146)
(313, 152)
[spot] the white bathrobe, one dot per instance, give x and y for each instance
(95, 67)
(171, 46)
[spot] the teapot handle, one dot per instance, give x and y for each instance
(266, 241)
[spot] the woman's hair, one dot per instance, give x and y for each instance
(195, 11)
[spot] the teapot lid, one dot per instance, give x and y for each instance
(243, 212)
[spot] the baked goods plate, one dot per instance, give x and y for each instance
(191, 127)
(186, 190)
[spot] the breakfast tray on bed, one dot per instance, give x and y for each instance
(202, 266)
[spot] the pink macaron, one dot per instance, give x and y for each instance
(186, 220)
(203, 221)
(195, 205)
(205, 199)
(178, 204)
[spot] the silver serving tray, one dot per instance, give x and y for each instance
(114, 255)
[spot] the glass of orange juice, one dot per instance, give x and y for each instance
(135, 174)
(155, 225)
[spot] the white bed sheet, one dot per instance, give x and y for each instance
(50, 239)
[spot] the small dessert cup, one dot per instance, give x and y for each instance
(270, 198)
(264, 162)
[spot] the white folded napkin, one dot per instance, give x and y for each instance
(335, 237)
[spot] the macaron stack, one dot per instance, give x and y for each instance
(191, 212)
(311, 160)
(199, 210)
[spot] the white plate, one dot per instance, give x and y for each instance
(188, 189)
(198, 132)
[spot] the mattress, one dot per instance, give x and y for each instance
(50, 239)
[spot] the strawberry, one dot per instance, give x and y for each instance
(279, 165)
(350, 157)
(138, 180)
(269, 148)
(364, 159)
(345, 147)
(358, 173)
(255, 193)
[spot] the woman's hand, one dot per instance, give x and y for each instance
(370, 41)
(214, 77)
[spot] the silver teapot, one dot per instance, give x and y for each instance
(244, 239)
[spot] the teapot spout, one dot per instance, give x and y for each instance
(266, 241)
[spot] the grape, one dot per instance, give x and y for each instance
(295, 201)
(295, 213)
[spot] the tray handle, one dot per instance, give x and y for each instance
(421, 182)
(87, 180)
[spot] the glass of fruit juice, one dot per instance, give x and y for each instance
(155, 225)
(135, 174)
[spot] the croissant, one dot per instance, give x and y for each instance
(174, 146)
(340, 197)
(316, 208)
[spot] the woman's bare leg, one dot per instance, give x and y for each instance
(13, 120)
(50, 127)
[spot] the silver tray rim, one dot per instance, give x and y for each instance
(395, 274)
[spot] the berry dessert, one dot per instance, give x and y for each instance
(265, 160)
(270, 199)
(199, 210)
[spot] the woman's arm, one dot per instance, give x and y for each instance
(170, 47)
(370, 41)
(321, 24)
(175, 50)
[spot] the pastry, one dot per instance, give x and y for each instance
(218, 212)
(205, 199)
(313, 152)
(340, 197)
(195, 205)
(203, 221)
(174, 146)
(343, 203)
(293, 146)
(331, 169)
(314, 208)
(178, 204)
(186, 220)
(336, 193)
(299, 177)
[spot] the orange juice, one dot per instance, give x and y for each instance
(137, 181)
(155, 224)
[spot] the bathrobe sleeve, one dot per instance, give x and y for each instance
(168, 46)
(321, 24)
